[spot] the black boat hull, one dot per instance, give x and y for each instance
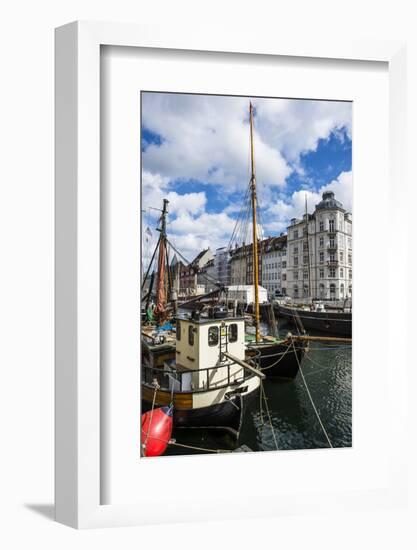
(225, 416)
(280, 360)
(333, 323)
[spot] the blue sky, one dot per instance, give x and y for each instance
(195, 152)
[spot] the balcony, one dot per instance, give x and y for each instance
(332, 246)
(332, 263)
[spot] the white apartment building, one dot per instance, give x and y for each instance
(274, 265)
(320, 253)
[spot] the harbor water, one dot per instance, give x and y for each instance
(327, 371)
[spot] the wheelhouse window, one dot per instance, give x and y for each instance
(213, 336)
(233, 332)
(178, 330)
(191, 335)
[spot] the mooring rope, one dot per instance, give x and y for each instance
(152, 409)
(311, 400)
(269, 416)
(192, 447)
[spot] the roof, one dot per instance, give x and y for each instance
(200, 255)
(328, 201)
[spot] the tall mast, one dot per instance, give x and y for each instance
(308, 254)
(254, 226)
(160, 309)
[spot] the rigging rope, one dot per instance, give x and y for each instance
(152, 409)
(269, 415)
(311, 399)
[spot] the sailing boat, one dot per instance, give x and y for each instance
(201, 369)
(278, 358)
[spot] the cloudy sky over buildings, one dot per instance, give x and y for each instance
(196, 153)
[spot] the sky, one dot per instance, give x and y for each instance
(196, 153)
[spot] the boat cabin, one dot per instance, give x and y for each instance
(200, 344)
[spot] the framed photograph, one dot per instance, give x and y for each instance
(223, 304)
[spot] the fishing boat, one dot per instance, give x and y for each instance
(195, 362)
(278, 358)
(207, 377)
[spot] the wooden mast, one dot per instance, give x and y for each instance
(160, 312)
(254, 227)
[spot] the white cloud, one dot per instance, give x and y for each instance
(281, 212)
(206, 138)
(155, 188)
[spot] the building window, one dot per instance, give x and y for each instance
(178, 330)
(331, 243)
(341, 272)
(332, 257)
(350, 273)
(305, 275)
(295, 249)
(305, 246)
(191, 335)
(296, 234)
(332, 290)
(296, 260)
(321, 241)
(341, 256)
(233, 332)
(213, 336)
(331, 226)
(305, 290)
(305, 259)
(295, 291)
(350, 259)
(295, 275)
(350, 290)
(332, 272)
(342, 290)
(321, 290)
(321, 226)
(284, 277)
(321, 256)
(350, 243)
(284, 265)
(321, 272)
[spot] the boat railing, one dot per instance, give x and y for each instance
(192, 381)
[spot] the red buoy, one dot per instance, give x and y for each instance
(156, 431)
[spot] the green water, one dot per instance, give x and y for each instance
(328, 373)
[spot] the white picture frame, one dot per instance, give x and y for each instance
(77, 242)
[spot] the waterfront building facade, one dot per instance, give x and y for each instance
(222, 266)
(320, 253)
(274, 265)
(188, 274)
